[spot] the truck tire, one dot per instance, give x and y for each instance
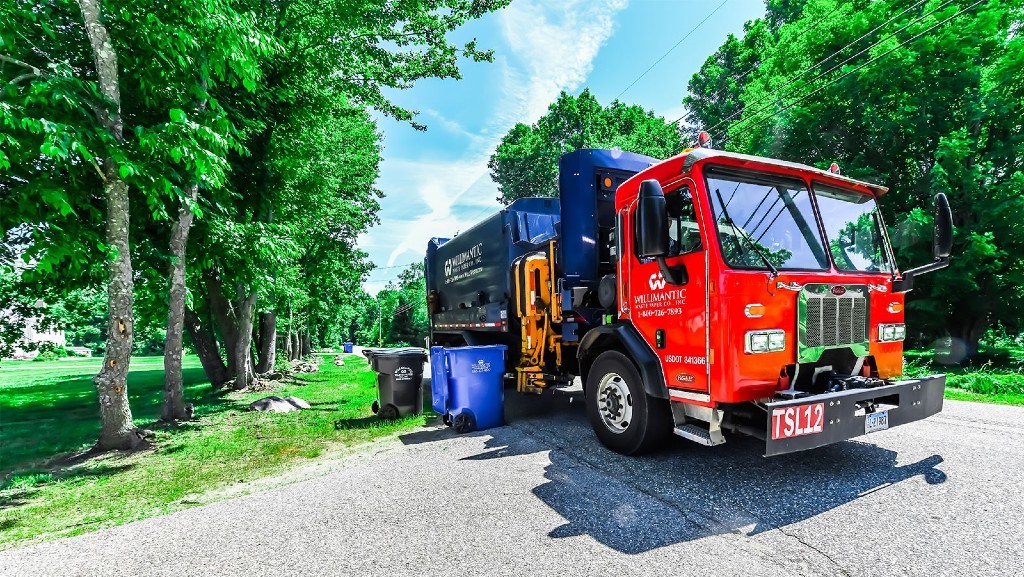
(625, 418)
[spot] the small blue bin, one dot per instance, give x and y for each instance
(468, 386)
(347, 347)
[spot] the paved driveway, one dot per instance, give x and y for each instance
(541, 497)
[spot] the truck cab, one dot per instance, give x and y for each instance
(767, 300)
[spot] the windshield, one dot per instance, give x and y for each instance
(762, 217)
(853, 228)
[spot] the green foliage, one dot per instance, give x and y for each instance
(265, 107)
(50, 352)
(942, 113)
(526, 161)
(54, 145)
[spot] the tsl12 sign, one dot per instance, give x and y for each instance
(797, 421)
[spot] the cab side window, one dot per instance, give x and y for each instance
(683, 229)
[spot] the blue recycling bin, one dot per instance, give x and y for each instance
(468, 386)
(347, 347)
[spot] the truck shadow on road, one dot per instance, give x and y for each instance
(688, 492)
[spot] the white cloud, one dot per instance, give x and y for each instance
(556, 46)
(550, 47)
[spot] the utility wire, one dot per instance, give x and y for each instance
(753, 67)
(793, 87)
(674, 46)
(762, 121)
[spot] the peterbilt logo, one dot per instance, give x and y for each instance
(685, 378)
(838, 290)
(657, 281)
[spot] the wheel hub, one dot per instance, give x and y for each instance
(614, 403)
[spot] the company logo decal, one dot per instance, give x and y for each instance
(403, 374)
(481, 367)
(839, 290)
(657, 281)
(465, 264)
(685, 378)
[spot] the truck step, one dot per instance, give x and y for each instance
(699, 435)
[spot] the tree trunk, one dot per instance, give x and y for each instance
(289, 343)
(242, 350)
(225, 316)
(174, 408)
(117, 429)
(306, 348)
(268, 342)
(296, 346)
(966, 330)
(207, 349)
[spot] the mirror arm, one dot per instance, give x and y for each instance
(907, 282)
(674, 275)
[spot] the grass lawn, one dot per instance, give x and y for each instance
(997, 377)
(48, 410)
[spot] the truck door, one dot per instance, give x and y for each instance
(674, 319)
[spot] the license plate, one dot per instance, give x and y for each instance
(877, 421)
(799, 420)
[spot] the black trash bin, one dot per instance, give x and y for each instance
(399, 381)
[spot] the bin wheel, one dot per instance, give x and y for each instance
(388, 412)
(464, 423)
(375, 407)
(446, 419)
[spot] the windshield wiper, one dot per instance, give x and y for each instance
(743, 234)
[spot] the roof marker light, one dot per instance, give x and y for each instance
(834, 168)
(703, 139)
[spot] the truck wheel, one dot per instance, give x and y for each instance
(623, 416)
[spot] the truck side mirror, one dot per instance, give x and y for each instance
(651, 221)
(942, 244)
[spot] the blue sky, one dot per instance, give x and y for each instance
(437, 182)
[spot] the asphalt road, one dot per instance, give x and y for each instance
(542, 497)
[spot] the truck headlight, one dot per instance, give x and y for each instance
(890, 333)
(769, 341)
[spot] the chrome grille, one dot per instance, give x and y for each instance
(832, 320)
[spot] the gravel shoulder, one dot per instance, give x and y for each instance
(542, 497)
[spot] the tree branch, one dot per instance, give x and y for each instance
(19, 79)
(35, 70)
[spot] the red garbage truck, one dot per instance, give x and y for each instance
(711, 292)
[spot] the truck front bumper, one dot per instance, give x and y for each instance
(815, 421)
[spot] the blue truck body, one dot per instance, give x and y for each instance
(469, 277)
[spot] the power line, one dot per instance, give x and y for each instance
(753, 67)
(798, 75)
(674, 46)
(762, 121)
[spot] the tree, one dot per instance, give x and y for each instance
(306, 180)
(526, 160)
(85, 107)
(117, 429)
(929, 102)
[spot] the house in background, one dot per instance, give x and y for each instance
(33, 335)
(37, 337)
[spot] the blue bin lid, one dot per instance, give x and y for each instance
(479, 348)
